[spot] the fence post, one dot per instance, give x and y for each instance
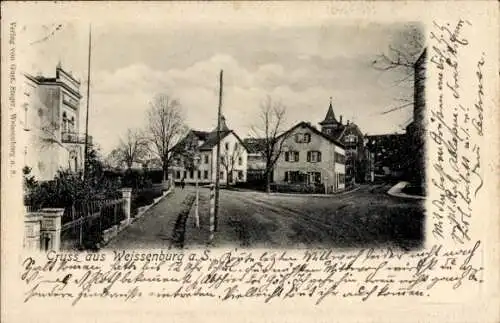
(127, 196)
(212, 213)
(32, 224)
(51, 228)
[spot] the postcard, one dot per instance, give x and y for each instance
(250, 161)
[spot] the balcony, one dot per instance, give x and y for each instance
(75, 138)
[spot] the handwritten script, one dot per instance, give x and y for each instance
(455, 130)
(239, 274)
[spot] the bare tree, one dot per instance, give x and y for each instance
(229, 159)
(131, 149)
(403, 52)
(165, 128)
(270, 127)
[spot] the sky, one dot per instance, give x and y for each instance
(301, 66)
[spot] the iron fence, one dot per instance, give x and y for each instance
(84, 222)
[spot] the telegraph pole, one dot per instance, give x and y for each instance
(217, 175)
(86, 149)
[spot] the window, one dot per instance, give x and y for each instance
(314, 177)
(65, 122)
(227, 146)
(296, 177)
(240, 161)
(291, 156)
(235, 146)
(205, 174)
(191, 174)
(185, 174)
(240, 175)
(199, 174)
(313, 156)
(72, 124)
(222, 175)
(178, 174)
(206, 159)
(303, 137)
(339, 158)
(351, 139)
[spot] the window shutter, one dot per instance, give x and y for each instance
(308, 156)
(319, 156)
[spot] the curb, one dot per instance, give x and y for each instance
(147, 207)
(396, 191)
(316, 195)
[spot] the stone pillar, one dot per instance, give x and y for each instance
(32, 224)
(51, 229)
(127, 196)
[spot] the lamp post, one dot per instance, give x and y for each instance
(196, 211)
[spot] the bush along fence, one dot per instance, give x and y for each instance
(84, 225)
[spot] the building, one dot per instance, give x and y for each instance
(310, 157)
(417, 128)
(256, 163)
(233, 157)
(51, 123)
(349, 134)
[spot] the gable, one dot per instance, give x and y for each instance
(312, 130)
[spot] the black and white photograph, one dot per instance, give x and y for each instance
(205, 135)
(288, 161)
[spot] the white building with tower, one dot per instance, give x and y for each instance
(233, 157)
(50, 118)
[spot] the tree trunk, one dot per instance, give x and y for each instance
(165, 170)
(268, 181)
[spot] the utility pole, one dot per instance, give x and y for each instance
(217, 175)
(86, 149)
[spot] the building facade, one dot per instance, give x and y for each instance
(233, 157)
(349, 134)
(256, 163)
(51, 124)
(310, 157)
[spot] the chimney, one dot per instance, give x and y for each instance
(340, 119)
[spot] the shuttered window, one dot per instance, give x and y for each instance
(314, 156)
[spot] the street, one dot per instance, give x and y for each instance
(366, 217)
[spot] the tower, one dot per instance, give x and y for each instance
(330, 125)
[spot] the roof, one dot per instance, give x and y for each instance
(330, 116)
(202, 135)
(255, 145)
(315, 131)
(41, 80)
(211, 139)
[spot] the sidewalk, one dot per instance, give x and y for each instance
(155, 228)
(397, 191)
